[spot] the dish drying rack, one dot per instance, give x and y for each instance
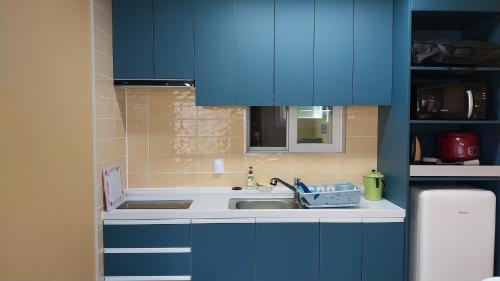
(330, 198)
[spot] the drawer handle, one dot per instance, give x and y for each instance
(146, 250)
(147, 278)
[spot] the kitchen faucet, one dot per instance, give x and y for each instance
(274, 182)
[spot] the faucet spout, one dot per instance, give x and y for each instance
(274, 182)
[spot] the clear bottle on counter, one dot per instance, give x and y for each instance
(250, 179)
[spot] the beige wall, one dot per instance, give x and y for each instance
(172, 143)
(46, 199)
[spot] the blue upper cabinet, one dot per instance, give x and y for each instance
(340, 251)
(214, 52)
(234, 52)
(333, 52)
(173, 39)
(223, 252)
(254, 52)
(383, 251)
(457, 5)
(294, 41)
(133, 39)
(372, 84)
(260, 52)
(287, 252)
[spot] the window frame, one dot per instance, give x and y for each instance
(338, 135)
(263, 149)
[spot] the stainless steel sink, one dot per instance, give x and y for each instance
(156, 204)
(285, 203)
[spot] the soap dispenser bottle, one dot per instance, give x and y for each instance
(250, 179)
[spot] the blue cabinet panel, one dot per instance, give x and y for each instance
(147, 236)
(294, 40)
(340, 251)
(133, 39)
(333, 52)
(214, 51)
(457, 5)
(372, 52)
(393, 128)
(223, 252)
(287, 252)
(383, 252)
(150, 264)
(254, 50)
(173, 39)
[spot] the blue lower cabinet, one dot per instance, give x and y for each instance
(383, 251)
(287, 252)
(147, 236)
(341, 251)
(147, 264)
(223, 251)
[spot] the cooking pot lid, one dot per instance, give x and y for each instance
(458, 134)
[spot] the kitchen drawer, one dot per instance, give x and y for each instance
(147, 264)
(147, 235)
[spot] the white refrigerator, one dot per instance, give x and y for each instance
(452, 233)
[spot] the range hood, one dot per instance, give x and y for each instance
(155, 83)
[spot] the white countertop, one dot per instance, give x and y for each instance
(212, 203)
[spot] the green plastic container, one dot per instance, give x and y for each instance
(374, 184)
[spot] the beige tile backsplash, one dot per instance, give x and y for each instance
(110, 115)
(172, 143)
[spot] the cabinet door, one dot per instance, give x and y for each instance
(372, 52)
(133, 39)
(287, 252)
(383, 251)
(223, 251)
(340, 251)
(254, 23)
(214, 51)
(173, 39)
(294, 40)
(333, 52)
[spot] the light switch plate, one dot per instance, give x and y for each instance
(218, 166)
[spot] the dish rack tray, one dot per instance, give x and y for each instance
(331, 199)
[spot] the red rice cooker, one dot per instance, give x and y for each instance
(458, 146)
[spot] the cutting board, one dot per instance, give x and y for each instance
(113, 187)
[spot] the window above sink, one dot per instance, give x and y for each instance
(307, 129)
